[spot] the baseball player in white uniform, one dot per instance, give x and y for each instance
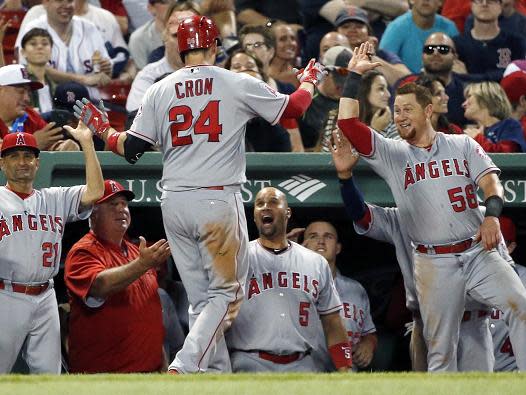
(322, 237)
(287, 287)
(198, 115)
(433, 178)
(384, 224)
(31, 229)
(75, 40)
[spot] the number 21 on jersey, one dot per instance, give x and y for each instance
(207, 122)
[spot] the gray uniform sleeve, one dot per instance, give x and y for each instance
(384, 224)
(263, 100)
(328, 299)
(144, 125)
(479, 162)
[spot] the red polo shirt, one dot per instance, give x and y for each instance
(123, 335)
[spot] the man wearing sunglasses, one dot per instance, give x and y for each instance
(486, 48)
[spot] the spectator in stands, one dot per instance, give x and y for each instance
(285, 58)
(175, 13)
(138, 14)
(36, 48)
(322, 237)
(319, 120)
(257, 12)
(374, 96)
(17, 116)
(170, 62)
(457, 11)
(149, 36)
(4, 24)
(354, 23)
(487, 48)
(486, 104)
(514, 84)
(405, 36)
(260, 135)
(260, 40)
(510, 20)
(117, 8)
(106, 22)
(440, 101)
(440, 60)
(112, 284)
(332, 39)
(78, 52)
(12, 5)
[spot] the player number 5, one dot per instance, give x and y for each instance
(304, 313)
(181, 119)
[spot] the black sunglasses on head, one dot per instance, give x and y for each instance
(442, 49)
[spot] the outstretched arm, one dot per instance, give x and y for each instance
(94, 179)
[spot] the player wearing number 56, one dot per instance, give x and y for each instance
(290, 296)
(31, 228)
(198, 116)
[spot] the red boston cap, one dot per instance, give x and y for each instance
(19, 140)
(111, 188)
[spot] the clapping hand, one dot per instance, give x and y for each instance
(361, 60)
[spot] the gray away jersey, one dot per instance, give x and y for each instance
(504, 355)
(284, 294)
(31, 231)
(198, 116)
(356, 311)
(436, 186)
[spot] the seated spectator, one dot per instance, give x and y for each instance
(332, 39)
(510, 20)
(282, 276)
(256, 12)
(36, 49)
(440, 100)
(138, 15)
(260, 135)
(260, 40)
(514, 84)
(319, 120)
(440, 60)
(353, 22)
(17, 116)
(322, 237)
(374, 96)
(284, 61)
(486, 48)
(116, 7)
(78, 52)
(171, 60)
(149, 36)
(487, 105)
(405, 35)
(112, 284)
(457, 11)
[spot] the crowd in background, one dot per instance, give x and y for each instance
(471, 55)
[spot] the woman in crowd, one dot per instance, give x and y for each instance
(374, 98)
(284, 61)
(488, 106)
(440, 100)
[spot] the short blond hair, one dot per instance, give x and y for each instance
(490, 95)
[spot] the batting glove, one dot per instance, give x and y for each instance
(313, 73)
(94, 118)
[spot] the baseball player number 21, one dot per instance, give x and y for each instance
(207, 123)
(50, 255)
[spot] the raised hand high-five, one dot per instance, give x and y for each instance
(361, 59)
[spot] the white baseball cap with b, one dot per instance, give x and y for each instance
(15, 75)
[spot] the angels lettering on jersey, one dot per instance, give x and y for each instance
(417, 172)
(30, 222)
(291, 280)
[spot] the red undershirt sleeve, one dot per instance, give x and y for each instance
(298, 103)
(358, 134)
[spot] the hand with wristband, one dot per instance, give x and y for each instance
(313, 73)
(94, 118)
(341, 355)
(489, 232)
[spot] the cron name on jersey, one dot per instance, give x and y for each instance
(191, 88)
(435, 169)
(293, 280)
(31, 222)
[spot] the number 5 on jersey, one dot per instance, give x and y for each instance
(207, 123)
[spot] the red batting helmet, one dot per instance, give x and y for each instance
(197, 32)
